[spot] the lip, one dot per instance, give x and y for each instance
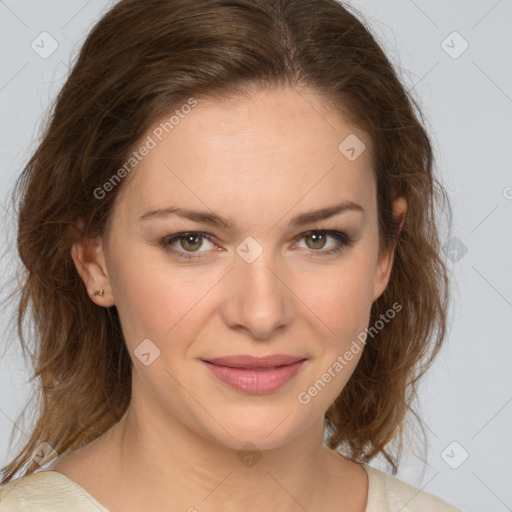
(255, 375)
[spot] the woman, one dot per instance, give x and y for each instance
(232, 263)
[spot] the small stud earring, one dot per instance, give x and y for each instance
(98, 292)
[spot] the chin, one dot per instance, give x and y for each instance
(264, 428)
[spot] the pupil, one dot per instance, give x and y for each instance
(317, 238)
(190, 240)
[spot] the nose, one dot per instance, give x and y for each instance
(258, 300)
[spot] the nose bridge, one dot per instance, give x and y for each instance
(258, 300)
(260, 276)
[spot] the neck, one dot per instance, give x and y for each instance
(160, 460)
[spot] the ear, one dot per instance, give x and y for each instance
(89, 258)
(385, 262)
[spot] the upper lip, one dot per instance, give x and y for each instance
(246, 361)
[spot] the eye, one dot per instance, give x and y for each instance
(191, 242)
(316, 241)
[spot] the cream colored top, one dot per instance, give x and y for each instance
(50, 491)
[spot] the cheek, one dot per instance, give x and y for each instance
(342, 301)
(155, 299)
(341, 294)
(159, 300)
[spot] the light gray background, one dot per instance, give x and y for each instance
(467, 100)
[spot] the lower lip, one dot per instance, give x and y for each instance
(258, 381)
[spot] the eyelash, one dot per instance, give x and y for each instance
(342, 237)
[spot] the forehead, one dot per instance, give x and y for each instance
(275, 146)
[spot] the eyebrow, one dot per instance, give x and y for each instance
(215, 220)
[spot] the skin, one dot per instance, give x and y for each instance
(259, 162)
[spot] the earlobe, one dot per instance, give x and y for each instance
(89, 258)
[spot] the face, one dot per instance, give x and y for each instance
(253, 274)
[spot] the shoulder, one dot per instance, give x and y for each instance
(45, 491)
(387, 493)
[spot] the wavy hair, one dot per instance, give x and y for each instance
(139, 62)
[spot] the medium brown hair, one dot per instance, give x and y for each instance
(140, 62)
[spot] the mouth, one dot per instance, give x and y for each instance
(255, 375)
